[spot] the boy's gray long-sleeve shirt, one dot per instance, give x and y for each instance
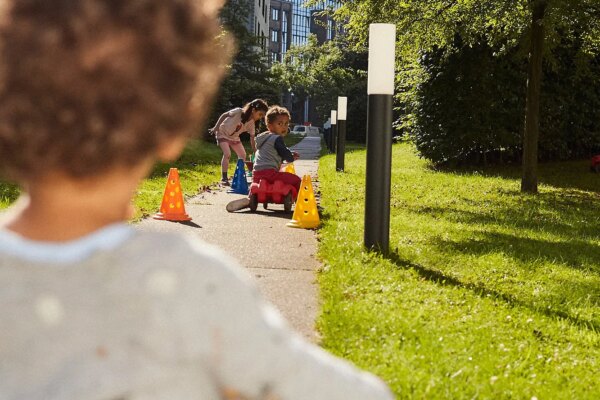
(270, 152)
(159, 316)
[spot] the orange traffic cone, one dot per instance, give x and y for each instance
(172, 208)
(306, 214)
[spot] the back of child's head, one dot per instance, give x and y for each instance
(87, 85)
(274, 112)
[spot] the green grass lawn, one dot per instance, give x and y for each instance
(8, 194)
(198, 166)
(487, 293)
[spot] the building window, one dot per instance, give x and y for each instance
(274, 14)
(284, 21)
(274, 57)
(284, 39)
(301, 23)
(274, 36)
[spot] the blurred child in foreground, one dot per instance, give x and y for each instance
(231, 125)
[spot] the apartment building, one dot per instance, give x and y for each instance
(291, 23)
(258, 22)
(280, 28)
(307, 20)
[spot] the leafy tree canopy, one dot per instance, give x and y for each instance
(324, 72)
(424, 25)
(315, 70)
(538, 26)
(248, 74)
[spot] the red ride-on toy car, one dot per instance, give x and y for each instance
(276, 192)
(595, 166)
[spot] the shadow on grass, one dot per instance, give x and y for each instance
(574, 253)
(571, 217)
(564, 175)
(324, 215)
(440, 278)
(569, 220)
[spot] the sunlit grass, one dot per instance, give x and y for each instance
(487, 293)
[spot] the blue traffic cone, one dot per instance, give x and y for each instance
(236, 174)
(239, 184)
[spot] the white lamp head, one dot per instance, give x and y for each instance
(341, 109)
(382, 58)
(334, 117)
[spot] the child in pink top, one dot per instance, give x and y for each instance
(229, 127)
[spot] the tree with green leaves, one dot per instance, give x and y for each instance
(248, 74)
(537, 25)
(324, 72)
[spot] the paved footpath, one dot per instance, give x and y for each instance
(282, 259)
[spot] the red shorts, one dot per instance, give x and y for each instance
(272, 175)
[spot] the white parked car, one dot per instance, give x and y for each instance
(304, 130)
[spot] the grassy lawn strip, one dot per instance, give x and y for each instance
(488, 293)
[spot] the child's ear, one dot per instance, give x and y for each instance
(171, 148)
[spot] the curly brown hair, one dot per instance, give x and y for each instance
(274, 112)
(86, 85)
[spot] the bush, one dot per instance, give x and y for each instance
(470, 106)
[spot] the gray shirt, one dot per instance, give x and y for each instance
(129, 315)
(270, 152)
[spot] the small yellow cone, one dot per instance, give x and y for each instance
(289, 168)
(306, 214)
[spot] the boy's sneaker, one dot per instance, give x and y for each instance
(238, 204)
(225, 182)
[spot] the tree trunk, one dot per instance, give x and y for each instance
(532, 105)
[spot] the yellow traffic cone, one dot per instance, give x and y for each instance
(306, 214)
(289, 168)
